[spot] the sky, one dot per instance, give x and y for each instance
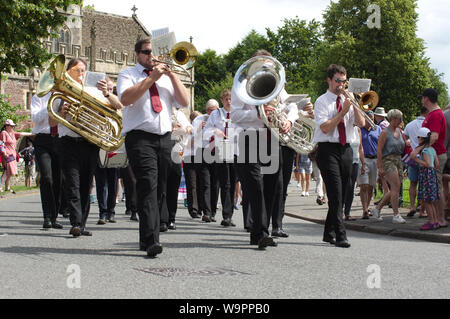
(220, 25)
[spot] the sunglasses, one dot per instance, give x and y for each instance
(340, 81)
(146, 52)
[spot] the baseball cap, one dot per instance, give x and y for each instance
(430, 93)
(10, 122)
(423, 132)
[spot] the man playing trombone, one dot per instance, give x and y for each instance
(148, 91)
(334, 119)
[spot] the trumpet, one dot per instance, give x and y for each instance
(182, 54)
(367, 101)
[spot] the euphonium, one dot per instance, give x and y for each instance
(90, 117)
(259, 81)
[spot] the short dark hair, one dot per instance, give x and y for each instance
(334, 68)
(262, 52)
(138, 45)
(431, 94)
(74, 62)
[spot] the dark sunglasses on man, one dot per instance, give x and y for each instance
(146, 52)
(340, 81)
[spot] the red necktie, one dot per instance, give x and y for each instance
(226, 125)
(154, 95)
(341, 125)
(54, 130)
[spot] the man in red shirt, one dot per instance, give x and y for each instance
(435, 122)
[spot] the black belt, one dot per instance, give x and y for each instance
(371, 157)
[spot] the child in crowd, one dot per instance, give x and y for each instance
(428, 182)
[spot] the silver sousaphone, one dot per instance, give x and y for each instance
(259, 81)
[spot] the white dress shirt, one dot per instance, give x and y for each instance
(140, 115)
(39, 114)
(324, 110)
(245, 116)
(411, 131)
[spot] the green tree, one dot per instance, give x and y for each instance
(209, 69)
(392, 55)
(296, 45)
(24, 25)
(213, 72)
(244, 50)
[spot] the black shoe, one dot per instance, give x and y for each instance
(47, 224)
(227, 223)
(265, 242)
(206, 219)
(134, 216)
(57, 225)
(195, 215)
(213, 219)
(163, 228)
(84, 232)
(343, 243)
(75, 231)
(279, 233)
(111, 219)
(128, 212)
(172, 226)
(154, 250)
(330, 240)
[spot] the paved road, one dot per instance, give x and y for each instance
(208, 261)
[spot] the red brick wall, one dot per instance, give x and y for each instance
(16, 89)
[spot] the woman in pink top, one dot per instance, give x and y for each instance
(9, 155)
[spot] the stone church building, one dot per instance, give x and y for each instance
(106, 41)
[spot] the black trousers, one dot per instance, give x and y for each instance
(208, 185)
(106, 180)
(173, 184)
(287, 159)
(48, 159)
(149, 157)
(190, 176)
(129, 184)
(335, 162)
(263, 191)
(79, 161)
(226, 175)
(350, 194)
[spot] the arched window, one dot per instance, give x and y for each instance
(63, 38)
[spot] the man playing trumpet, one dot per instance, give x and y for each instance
(148, 91)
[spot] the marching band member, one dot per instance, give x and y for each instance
(148, 91)
(79, 160)
(208, 183)
(287, 158)
(181, 129)
(48, 160)
(334, 119)
(219, 126)
(264, 191)
(189, 170)
(106, 179)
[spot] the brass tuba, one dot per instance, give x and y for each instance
(90, 117)
(259, 81)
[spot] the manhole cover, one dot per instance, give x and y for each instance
(174, 272)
